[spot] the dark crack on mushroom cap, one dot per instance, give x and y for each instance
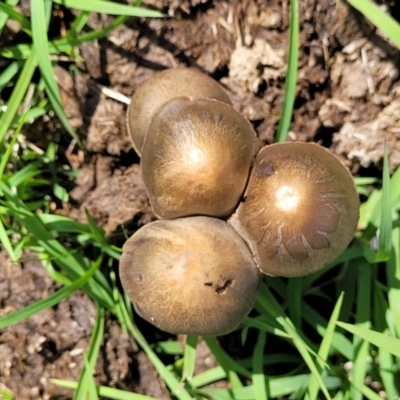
(301, 209)
(196, 158)
(211, 286)
(162, 87)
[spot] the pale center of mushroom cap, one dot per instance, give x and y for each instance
(287, 198)
(202, 169)
(196, 155)
(194, 166)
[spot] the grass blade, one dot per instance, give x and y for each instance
(265, 327)
(279, 388)
(86, 385)
(294, 300)
(72, 264)
(4, 239)
(4, 16)
(78, 24)
(104, 391)
(380, 19)
(17, 95)
(363, 318)
(109, 7)
(387, 367)
(177, 389)
(291, 77)
(324, 348)
(267, 304)
(41, 46)
(370, 211)
(66, 45)
(381, 340)
(259, 379)
(388, 373)
(351, 253)
(6, 156)
(49, 301)
(16, 16)
(210, 376)
(393, 278)
(8, 74)
(229, 365)
(385, 235)
(341, 344)
(6, 243)
(189, 357)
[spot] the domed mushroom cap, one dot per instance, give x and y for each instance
(191, 275)
(300, 211)
(196, 158)
(162, 87)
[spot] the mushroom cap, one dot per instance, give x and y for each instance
(162, 87)
(196, 158)
(191, 275)
(300, 210)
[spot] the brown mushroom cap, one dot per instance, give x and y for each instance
(162, 87)
(300, 211)
(196, 158)
(191, 275)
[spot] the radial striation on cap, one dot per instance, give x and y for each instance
(300, 211)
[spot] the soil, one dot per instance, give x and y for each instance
(348, 99)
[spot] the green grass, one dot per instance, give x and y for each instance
(330, 352)
(291, 76)
(386, 24)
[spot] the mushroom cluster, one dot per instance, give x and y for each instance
(227, 210)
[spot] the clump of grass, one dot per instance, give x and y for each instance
(328, 353)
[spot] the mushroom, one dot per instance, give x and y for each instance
(196, 158)
(162, 87)
(191, 275)
(300, 209)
